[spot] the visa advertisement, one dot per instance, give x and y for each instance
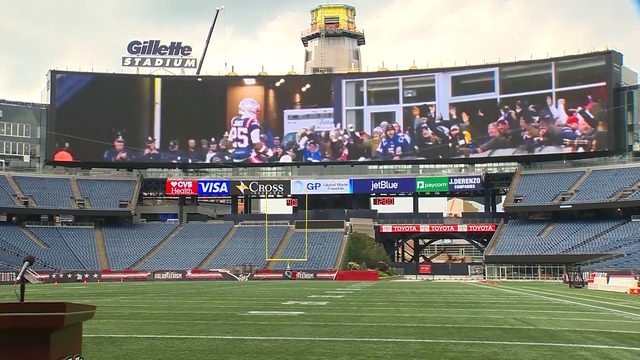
(197, 187)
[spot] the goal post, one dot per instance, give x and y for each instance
(306, 232)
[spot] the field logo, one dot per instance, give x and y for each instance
(432, 184)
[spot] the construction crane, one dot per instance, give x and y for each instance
(206, 44)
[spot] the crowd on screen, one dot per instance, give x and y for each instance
(527, 127)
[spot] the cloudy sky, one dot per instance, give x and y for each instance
(38, 35)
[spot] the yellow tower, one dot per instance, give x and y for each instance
(333, 41)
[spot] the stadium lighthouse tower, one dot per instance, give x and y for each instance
(333, 41)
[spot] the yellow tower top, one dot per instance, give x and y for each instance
(334, 20)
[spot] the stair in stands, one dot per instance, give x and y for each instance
(33, 237)
(102, 248)
(157, 247)
(574, 187)
(16, 189)
(283, 244)
(547, 229)
(217, 249)
(508, 200)
(495, 238)
(76, 192)
(341, 254)
(569, 250)
(134, 196)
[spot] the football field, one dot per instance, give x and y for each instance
(345, 320)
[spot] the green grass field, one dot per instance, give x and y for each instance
(338, 320)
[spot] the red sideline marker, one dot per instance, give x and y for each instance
(55, 283)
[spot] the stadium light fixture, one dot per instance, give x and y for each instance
(304, 89)
(249, 81)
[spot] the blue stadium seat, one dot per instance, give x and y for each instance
(127, 244)
(80, 241)
(543, 188)
(603, 184)
(323, 250)
(106, 194)
(6, 193)
(50, 193)
(247, 247)
(189, 247)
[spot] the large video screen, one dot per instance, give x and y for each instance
(513, 109)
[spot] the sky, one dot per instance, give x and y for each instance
(39, 35)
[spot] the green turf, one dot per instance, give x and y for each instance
(403, 320)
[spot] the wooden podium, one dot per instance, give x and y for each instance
(42, 330)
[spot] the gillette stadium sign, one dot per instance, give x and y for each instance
(154, 54)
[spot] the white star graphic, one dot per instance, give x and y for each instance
(95, 276)
(86, 276)
(53, 276)
(69, 275)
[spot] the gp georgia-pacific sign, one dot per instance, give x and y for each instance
(153, 54)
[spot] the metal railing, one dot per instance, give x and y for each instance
(59, 224)
(330, 28)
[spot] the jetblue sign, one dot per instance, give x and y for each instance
(213, 187)
(383, 186)
(152, 53)
(318, 187)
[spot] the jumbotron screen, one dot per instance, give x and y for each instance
(557, 106)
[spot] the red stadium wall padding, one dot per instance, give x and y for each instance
(366, 275)
(106, 271)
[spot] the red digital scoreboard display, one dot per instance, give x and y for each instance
(292, 202)
(383, 201)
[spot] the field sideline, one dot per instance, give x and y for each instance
(342, 320)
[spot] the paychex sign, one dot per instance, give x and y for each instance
(448, 184)
(320, 187)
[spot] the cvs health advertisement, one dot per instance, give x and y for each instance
(197, 187)
(320, 187)
(383, 186)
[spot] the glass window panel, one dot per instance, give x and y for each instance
(525, 78)
(14, 148)
(356, 118)
(27, 130)
(27, 149)
(21, 130)
(473, 84)
(383, 92)
(2, 128)
(378, 117)
(20, 148)
(7, 147)
(14, 129)
(355, 93)
(419, 89)
(580, 71)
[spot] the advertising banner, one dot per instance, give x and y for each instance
(432, 184)
(318, 187)
(295, 275)
(197, 187)
(383, 186)
(181, 187)
(448, 184)
(472, 228)
(465, 183)
(425, 269)
(269, 188)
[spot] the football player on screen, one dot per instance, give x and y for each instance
(245, 134)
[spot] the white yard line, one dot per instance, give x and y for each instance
(381, 340)
(578, 296)
(306, 323)
(523, 291)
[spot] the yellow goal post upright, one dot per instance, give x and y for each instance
(306, 231)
